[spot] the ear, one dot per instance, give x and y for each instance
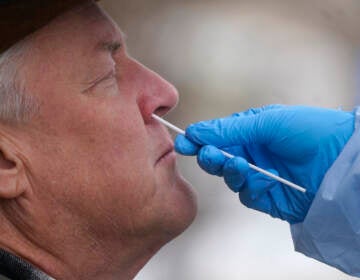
(12, 173)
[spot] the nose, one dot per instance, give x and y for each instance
(155, 94)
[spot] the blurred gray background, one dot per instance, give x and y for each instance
(225, 56)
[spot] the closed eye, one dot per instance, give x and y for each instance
(108, 76)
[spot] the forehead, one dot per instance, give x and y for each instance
(85, 25)
(66, 52)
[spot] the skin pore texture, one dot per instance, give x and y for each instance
(89, 188)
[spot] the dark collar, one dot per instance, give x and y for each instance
(15, 268)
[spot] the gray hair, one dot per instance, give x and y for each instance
(16, 106)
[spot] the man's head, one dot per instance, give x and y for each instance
(89, 170)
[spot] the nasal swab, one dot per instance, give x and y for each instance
(254, 167)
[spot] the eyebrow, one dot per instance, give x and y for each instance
(111, 46)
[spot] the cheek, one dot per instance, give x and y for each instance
(98, 159)
(111, 126)
(108, 174)
(116, 152)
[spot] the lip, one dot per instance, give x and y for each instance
(167, 154)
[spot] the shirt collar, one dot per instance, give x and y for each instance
(13, 267)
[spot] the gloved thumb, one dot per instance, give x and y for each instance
(225, 132)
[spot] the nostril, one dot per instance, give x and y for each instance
(6, 163)
(162, 110)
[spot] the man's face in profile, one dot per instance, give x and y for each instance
(94, 156)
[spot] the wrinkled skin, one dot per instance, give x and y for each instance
(98, 192)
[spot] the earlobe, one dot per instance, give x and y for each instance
(11, 174)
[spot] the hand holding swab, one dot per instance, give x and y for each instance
(254, 167)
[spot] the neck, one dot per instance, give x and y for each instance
(72, 253)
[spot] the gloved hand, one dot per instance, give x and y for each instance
(297, 143)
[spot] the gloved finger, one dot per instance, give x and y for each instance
(254, 111)
(284, 205)
(211, 160)
(259, 183)
(238, 151)
(185, 147)
(235, 172)
(253, 154)
(256, 194)
(225, 132)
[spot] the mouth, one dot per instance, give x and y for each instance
(167, 154)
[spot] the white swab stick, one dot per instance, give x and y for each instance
(254, 167)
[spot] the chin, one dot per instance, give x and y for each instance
(175, 201)
(183, 208)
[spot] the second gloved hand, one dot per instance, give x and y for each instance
(295, 142)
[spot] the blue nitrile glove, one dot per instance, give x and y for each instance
(298, 143)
